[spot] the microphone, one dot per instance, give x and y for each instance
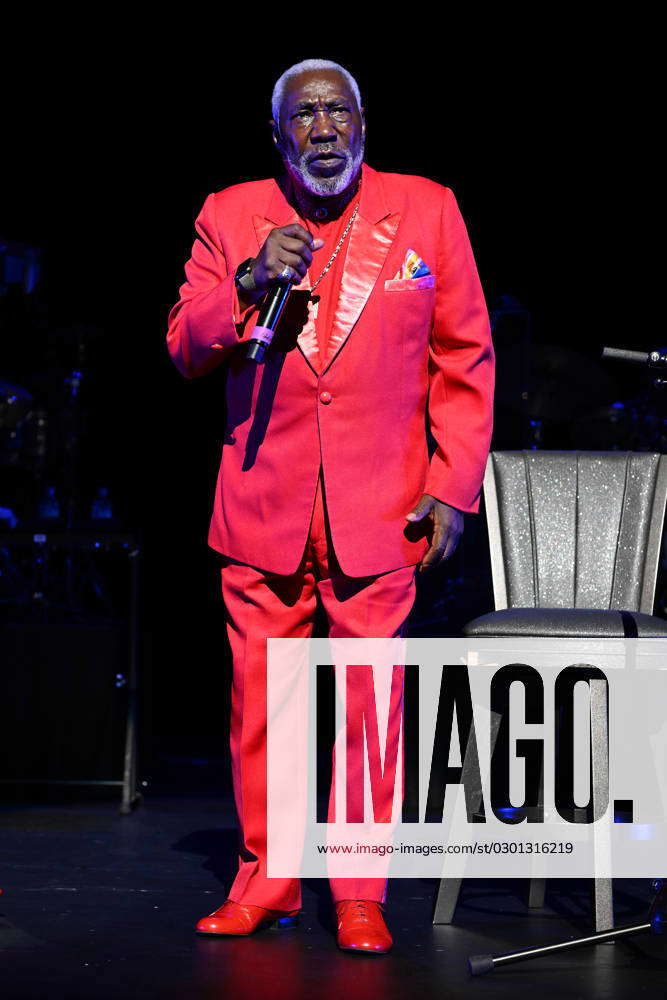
(654, 359)
(620, 354)
(267, 321)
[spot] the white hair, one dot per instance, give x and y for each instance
(308, 64)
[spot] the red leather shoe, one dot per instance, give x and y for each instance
(241, 919)
(361, 927)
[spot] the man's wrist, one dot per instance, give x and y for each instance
(445, 503)
(247, 292)
(243, 278)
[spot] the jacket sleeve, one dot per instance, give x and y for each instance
(206, 323)
(461, 370)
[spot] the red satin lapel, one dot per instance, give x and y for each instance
(367, 252)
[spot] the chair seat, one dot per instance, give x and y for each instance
(561, 623)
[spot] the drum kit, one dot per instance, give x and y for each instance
(23, 452)
(41, 423)
(48, 527)
(22, 428)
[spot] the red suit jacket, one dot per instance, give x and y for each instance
(402, 351)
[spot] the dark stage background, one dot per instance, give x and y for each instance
(551, 157)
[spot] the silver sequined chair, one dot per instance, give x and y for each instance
(575, 540)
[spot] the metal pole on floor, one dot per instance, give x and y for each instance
(655, 922)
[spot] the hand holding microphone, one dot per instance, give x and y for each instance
(283, 260)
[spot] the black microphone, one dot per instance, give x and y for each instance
(267, 321)
(620, 354)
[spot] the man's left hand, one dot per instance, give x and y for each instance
(447, 529)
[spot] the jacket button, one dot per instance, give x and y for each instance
(325, 397)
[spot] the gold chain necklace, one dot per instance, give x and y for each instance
(335, 253)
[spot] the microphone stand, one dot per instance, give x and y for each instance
(651, 359)
(655, 921)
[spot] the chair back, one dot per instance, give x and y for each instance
(575, 529)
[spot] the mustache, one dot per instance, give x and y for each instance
(327, 151)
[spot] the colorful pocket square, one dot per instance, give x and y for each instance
(413, 266)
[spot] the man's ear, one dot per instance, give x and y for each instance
(276, 134)
(363, 120)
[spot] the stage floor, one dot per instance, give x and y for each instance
(101, 905)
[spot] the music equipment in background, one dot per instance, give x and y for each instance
(69, 660)
(22, 429)
(552, 396)
(511, 330)
(42, 425)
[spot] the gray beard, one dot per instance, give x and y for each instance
(323, 186)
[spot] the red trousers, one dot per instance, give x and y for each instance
(260, 605)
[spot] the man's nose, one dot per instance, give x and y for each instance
(322, 129)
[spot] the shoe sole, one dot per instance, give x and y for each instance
(279, 923)
(363, 951)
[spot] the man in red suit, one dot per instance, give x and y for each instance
(326, 485)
